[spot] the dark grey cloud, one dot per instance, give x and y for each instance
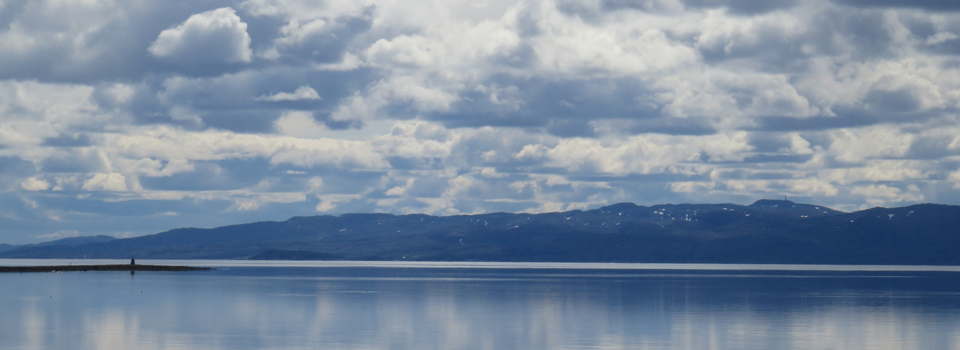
(69, 140)
(570, 128)
(590, 11)
(903, 100)
(348, 181)
(777, 158)
(669, 126)
(229, 174)
(113, 46)
(948, 47)
(582, 9)
(746, 7)
(935, 5)
(206, 176)
(845, 119)
(751, 174)
(11, 10)
(563, 108)
(12, 169)
(326, 45)
(73, 161)
(772, 47)
(768, 142)
(936, 148)
(237, 102)
(407, 163)
(866, 32)
(246, 121)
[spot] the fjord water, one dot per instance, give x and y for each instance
(350, 305)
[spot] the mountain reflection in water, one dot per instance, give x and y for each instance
(371, 307)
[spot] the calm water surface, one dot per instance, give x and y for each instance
(352, 305)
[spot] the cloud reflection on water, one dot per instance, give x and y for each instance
(308, 308)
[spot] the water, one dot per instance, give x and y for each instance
(349, 305)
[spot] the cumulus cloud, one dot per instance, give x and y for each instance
(216, 36)
(169, 143)
(877, 195)
(302, 93)
(106, 182)
(299, 124)
(881, 141)
(229, 111)
(34, 184)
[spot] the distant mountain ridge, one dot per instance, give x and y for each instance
(767, 231)
(69, 241)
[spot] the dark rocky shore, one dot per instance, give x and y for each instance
(100, 268)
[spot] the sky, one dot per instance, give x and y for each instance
(132, 117)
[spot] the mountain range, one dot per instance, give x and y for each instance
(767, 231)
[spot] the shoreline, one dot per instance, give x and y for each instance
(117, 267)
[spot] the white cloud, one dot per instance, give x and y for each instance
(692, 186)
(216, 36)
(456, 186)
(152, 167)
(58, 235)
(644, 154)
(489, 172)
(169, 143)
(437, 206)
(401, 190)
(67, 40)
(856, 145)
(300, 124)
(416, 140)
(811, 188)
(799, 145)
(316, 184)
(300, 9)
(296, 33)
(32, 111)
(880, 171)
(457, 106)
(941, 37)
(301, 93)
(330, 202)
(880, 195)
(574, 47)
(34, 184)
(106, 182)
(256, 201)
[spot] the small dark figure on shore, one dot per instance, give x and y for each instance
(133, 261)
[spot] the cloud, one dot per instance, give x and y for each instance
(229, 111)
(855, 145)
(106, 182)
(174, 144)
(922, 4)
(302, 93)
(640, 154)
(35, 184)
(216, 36)
(300, 125)
(879, 195)
(58, 235)
(743, 6)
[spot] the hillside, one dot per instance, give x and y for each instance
(69, 241)
(768, 231)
